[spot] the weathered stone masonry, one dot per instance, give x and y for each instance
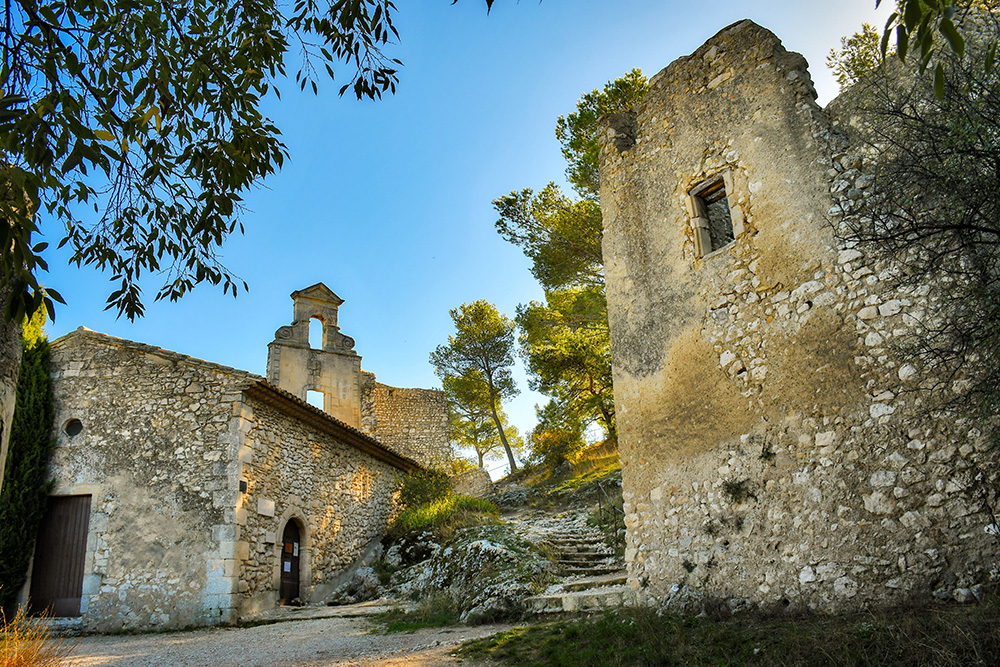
(193, 470)
(296, 469)
(770, 450)
(412, 422)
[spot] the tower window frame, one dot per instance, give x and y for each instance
(716, 219)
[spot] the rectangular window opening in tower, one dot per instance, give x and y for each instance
(711, 216)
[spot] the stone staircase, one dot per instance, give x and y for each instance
(594, 579)
(582, 552)
(581, 595)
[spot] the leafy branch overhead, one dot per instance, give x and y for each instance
(136, 128)
(920, 25)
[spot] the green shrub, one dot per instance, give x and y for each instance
(435, 611)
(443, 516)
(557, 438)
(26, 485)
(422, 487)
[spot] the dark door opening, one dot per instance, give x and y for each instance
(289, 590)
(60, 550)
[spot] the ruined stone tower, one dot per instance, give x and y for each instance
(774, 446)
(334, 369)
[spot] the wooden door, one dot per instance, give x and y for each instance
(289, 564)
(60, 549)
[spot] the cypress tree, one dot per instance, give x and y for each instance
(26, 485)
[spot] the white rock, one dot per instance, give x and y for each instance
(868, 313)
(845, 256)
(936, 500)
(897, 459)
(826, 438)
(845, 587)
(906, 372)
(877, 410)
(878, 503)
(807, 575)
(890, 308)
(807, 288)
(883, 478)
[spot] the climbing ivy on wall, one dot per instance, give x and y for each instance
(26, 485)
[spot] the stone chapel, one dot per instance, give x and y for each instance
(191, 493)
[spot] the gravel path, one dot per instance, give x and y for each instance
(300, 643)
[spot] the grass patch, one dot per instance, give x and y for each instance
(27, 644)
(444, 516)
(938, 636)
(437, 611)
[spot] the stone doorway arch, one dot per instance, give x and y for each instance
(291, 555)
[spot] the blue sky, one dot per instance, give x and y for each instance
(389, 202)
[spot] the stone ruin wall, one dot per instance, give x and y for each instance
(773, 450)
(340, 497)
(475, 482)
(411, 422)
(156, 454)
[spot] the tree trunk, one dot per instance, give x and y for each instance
(609, 421)
(481, 455)
(503, 437)
(10, 364)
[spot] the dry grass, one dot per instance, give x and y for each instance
(27, 644)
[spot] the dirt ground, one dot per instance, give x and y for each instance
(309, 642)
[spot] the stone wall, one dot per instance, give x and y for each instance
(157, 455)
(340, 497)
(412, 422)
(475, 482)
(772, 451)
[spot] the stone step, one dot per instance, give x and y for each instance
(617, 578)
(578, 544)
(585, 547)
(594, 599)
(584, 555)
(595, 570)
(576, 536)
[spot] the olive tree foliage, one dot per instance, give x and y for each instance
(568, 357)
(922, 27)
(481, 351)
(565, 341)
(132, 129)
(557, 437)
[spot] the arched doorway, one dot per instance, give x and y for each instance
(290, 550)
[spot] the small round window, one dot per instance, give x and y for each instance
(73, 427)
